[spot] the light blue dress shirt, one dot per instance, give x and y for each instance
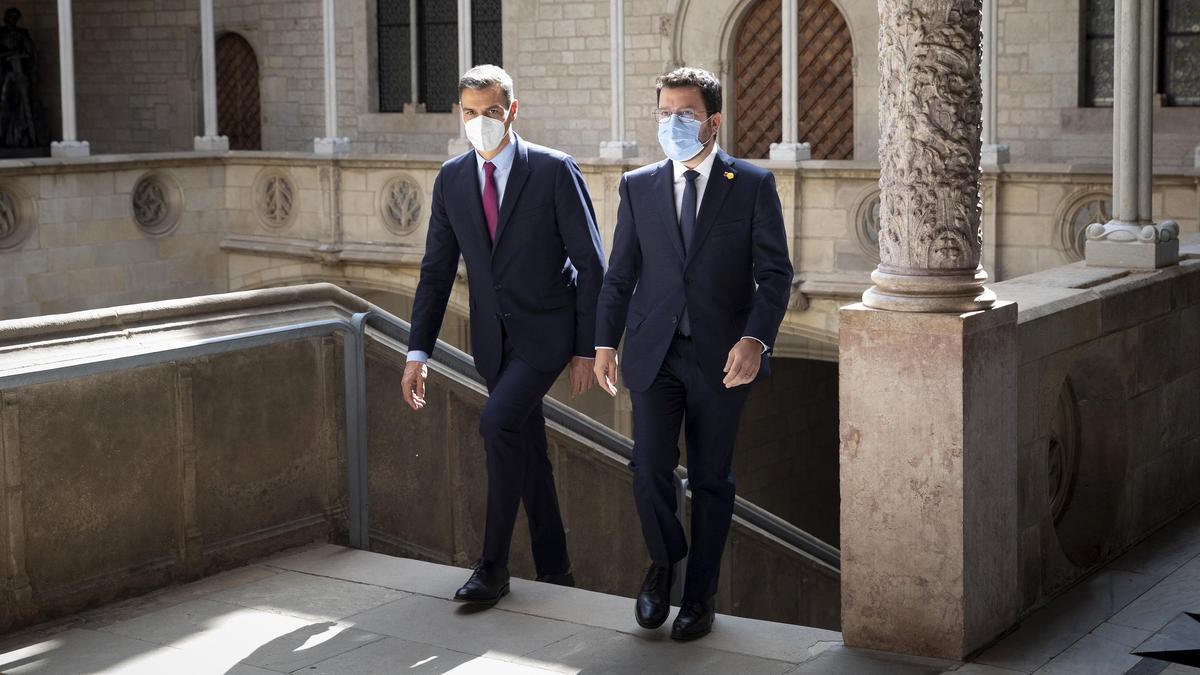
(503, 163)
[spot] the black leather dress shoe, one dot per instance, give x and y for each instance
(567, 579)
(654, 601)
(695, 620)
(488, 583)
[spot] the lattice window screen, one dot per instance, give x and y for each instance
(239, 112)
(825, 87)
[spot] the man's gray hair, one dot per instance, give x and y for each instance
(482, 77)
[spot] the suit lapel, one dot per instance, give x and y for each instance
(517, 175)
(468, 186)
(664, 196)
(719, 182)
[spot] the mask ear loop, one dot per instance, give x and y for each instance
(711, 136)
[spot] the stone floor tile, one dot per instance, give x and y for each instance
(1178, 593)
(393, 655)
(309, 645)
(841, 660)
(78, 650)
(364, 567)
(980, 669)
(463, 628)
(606, 652)
(308, 597)
(207, 626)
(1054, 628)
(1092, 655)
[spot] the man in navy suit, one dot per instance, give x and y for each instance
(698, 283)
(520, 216)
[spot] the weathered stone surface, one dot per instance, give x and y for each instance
(929, 479)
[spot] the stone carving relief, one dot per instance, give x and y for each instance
(157, 201)
(275, 198)
(400, 205)
(866, 224)
(1062, 452)
(1080, 211)
(16, 217)
(930, 106)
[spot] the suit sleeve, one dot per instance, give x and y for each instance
(577, 226)
(439, 267)
(772, 265)
(624, 269)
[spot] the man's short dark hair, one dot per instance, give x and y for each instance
(706, 82)
(485, 77)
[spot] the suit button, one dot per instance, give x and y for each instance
(674, 319)
(497, 287)
(506, 315)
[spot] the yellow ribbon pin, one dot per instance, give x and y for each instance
(729, 175)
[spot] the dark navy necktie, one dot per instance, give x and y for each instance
(687, 227)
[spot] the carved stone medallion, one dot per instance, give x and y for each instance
(16, 217)
(400, 205)
(156, 202)
(275, 198)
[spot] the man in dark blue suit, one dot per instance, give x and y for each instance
(521, 218)
(698, 283)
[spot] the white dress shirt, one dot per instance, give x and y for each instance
(503, 163)
(704, 169)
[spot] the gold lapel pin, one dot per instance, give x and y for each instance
(729, 175)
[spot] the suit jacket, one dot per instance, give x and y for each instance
(735, 280)
(539, 282)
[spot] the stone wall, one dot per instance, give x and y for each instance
(82, 248)
(1108, 403)
(172, 471)
(1040, 114)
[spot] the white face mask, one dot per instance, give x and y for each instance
(485, 133)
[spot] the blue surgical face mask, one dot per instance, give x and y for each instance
(680, 138)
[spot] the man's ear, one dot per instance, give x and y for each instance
(513, 114)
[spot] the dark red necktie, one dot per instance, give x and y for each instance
(491, 199)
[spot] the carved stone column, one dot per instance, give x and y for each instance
(459, 145)
(70, 145)
(993, 153)
(929, 117)
(211, 141)
(789, 149)
(330, 143)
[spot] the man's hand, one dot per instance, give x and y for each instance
(413, 384)
(581, 375)
(743, 363)
(605, 369)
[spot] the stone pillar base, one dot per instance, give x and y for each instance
(618, 149)
(953, 291)
(928, 478)
(791, 152)
(458, 146)
(331, 146)
(1132, 254)
(993, 155)
(67, 149)
(211, 144)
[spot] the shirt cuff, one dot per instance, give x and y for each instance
(418, 355)
(751, 337)
(612, 348)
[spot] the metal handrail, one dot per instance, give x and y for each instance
(461, 364)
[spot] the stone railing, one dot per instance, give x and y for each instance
(110, 230)
(116, 482)
(1108, 413)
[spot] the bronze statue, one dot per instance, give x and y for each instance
(18, 70)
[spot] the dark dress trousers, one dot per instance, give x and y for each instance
(532, 302)
(734, 280)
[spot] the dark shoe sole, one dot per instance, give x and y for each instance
(487, 602)
(688, 637)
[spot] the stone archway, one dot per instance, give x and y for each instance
(826, 80)
(239, 106)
